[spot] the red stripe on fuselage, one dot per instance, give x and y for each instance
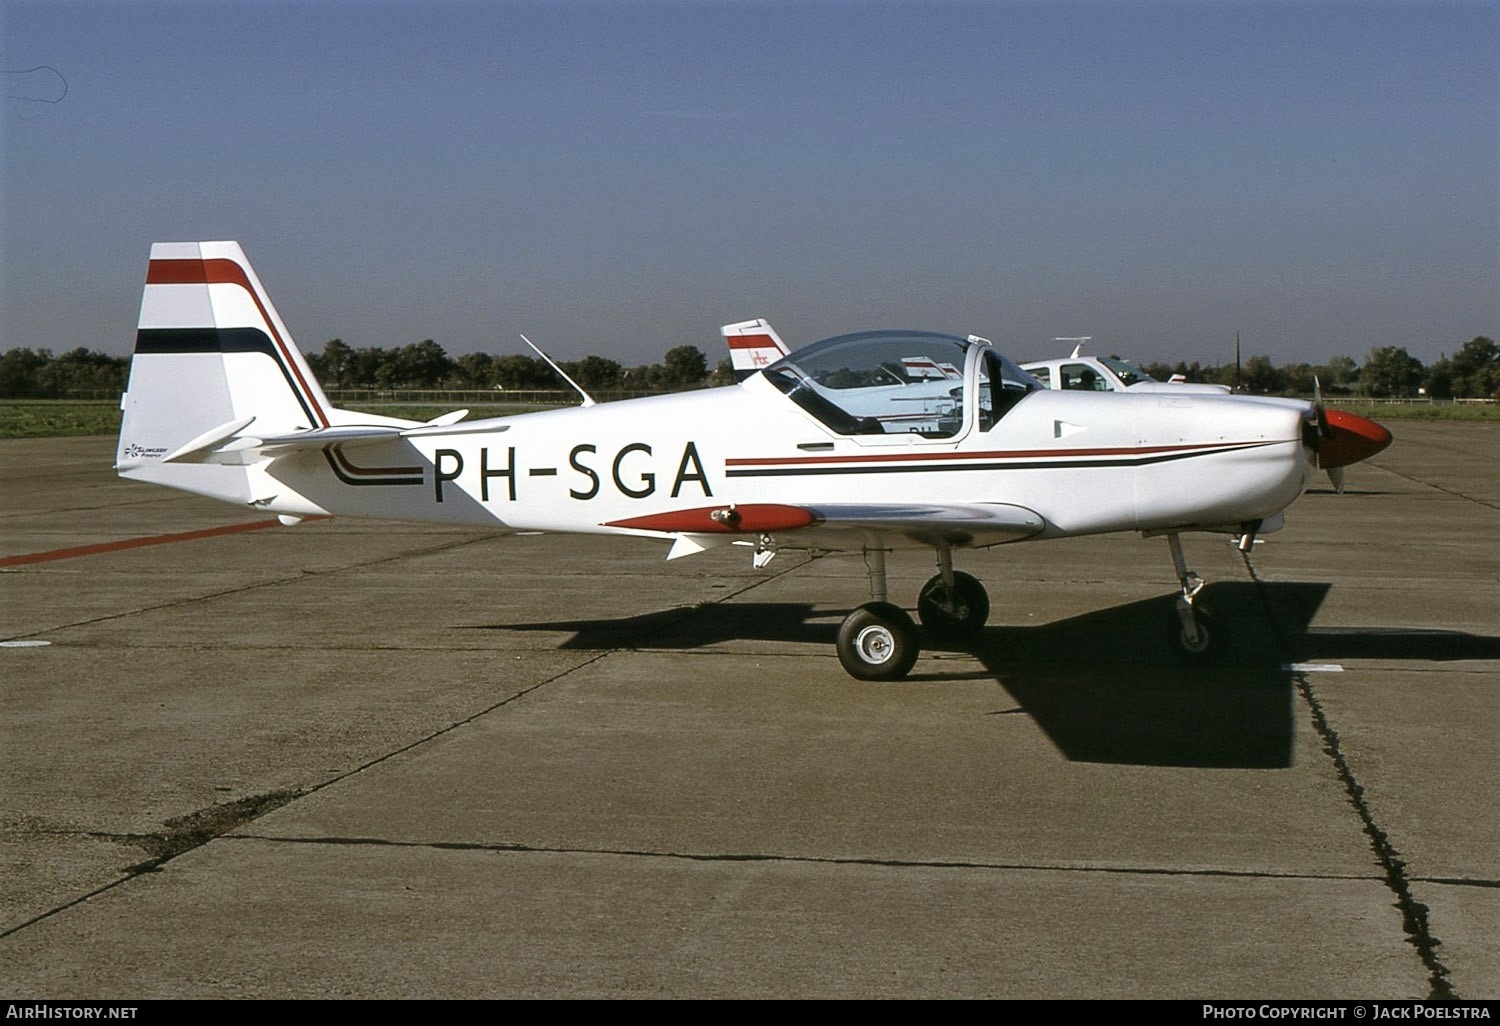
(1139, 450)
(220, 271)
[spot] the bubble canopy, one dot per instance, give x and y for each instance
(901, 382)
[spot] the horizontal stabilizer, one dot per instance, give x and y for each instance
(223, 445)
(208, 440)
(344, 434)
(447, 418)
(493, 425)
(217, 446)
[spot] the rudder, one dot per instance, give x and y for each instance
(210, 351)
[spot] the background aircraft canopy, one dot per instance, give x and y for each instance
(882, 382)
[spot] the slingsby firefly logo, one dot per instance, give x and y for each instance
(144, 452)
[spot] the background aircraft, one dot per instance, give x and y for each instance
(806, 453)
(1107, 374)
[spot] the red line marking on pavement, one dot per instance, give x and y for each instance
(136, 543)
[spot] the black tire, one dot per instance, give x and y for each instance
(969, 612)
(878, 641)
(1212, 638)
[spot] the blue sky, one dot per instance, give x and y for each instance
(620, 178)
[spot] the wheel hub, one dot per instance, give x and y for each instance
(875, 644)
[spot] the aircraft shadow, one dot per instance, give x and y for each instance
(1399, 643)
(697, 626)
(1108, 686)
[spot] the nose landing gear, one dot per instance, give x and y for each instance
(1198, 633)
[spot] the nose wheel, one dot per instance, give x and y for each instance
(1198, 633)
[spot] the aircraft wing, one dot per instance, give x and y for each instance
(845, 525)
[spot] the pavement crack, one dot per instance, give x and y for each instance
(290, 578)
(1458, 881)
(99, 507)
(170, 604)
(521, 847)
(185, 833)
(672, 621)
(1413, 912)
(182, 834)
(1441, 488)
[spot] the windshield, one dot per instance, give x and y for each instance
(892, 382)
(1129, 373)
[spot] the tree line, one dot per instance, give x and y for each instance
(425, 365)
(1389, 372)
(1473, 372)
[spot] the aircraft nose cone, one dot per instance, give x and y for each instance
(1354, 438)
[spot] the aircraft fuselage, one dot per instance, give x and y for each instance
(1086, 464)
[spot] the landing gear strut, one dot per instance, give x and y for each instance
(879, 640)
(953, 606)
(1197, 632)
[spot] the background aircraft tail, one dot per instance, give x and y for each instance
(211, 357)
(753, 345)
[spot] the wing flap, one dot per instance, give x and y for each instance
(955, 524)
(960, 525)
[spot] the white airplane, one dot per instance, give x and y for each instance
(221, 403)
(1108, 374)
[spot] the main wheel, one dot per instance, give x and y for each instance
(957, 618)
(878, 641)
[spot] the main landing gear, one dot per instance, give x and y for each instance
(953, 606)
(879, 640)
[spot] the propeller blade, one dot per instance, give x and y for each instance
(1319, 410)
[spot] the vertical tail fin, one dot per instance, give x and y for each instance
(210, 352)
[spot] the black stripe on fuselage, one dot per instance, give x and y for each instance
(923, 468)
(163, 341)
(400, 475)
